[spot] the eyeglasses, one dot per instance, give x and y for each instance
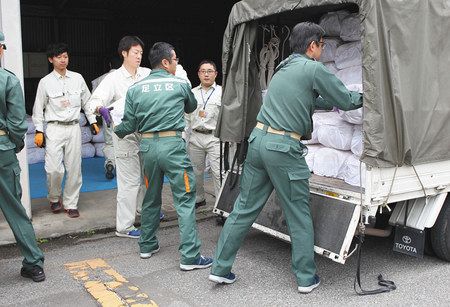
(321, 44)
(176, 60)
(204, 72)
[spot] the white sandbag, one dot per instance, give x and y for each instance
(353, 117)
(331, 22)
(83, 120)
(98, 138)
(29, 141)
(86, 134)
(331, 67)
(87, 150)
(30, 124)
(348, 55)
(309, 158)
(322, 118)
(329, 52)
(351, 28)
(357, 141)
(350, 75)
(330, 162)
(99, 149)
(351, 172)
(338, 137)
(35, 155)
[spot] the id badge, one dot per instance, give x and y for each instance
(202, 113)
(65, 103)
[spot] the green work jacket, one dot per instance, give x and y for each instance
(156, 103)
(293, 95)
(12, 112)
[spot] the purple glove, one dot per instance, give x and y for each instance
(104, 112)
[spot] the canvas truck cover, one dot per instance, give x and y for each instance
(406, 76)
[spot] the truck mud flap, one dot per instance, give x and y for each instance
(335, 220)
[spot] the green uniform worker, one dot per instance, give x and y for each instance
(155, 108)
(12, 131)
(275, 157)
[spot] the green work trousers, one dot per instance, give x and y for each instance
(273, 161)
(14, 212)
(168, 156)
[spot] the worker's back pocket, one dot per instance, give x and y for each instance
(298, 182)
(280, 147)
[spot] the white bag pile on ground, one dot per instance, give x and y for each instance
(98, 138)
(29, 141)
(331, 67)
(35, 155)
(83, 120)
(31, 127)
(330, 162)
(99, 149)
(86, 134)
(87, 150)
(309, 158)
(351, 172)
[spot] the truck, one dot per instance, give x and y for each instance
(406, 126)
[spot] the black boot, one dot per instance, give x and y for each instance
(36, 273)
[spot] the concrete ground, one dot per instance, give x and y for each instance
(97, 214)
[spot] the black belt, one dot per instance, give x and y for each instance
(203, 131)
(73, 122)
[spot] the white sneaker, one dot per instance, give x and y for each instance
(309, 288)
(148, 255)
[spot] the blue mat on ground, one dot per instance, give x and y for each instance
(92, 171)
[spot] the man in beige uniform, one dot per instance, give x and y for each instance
(60, 96)
(201, 124)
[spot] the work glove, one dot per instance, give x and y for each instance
(104, 112)
(95, 129)
(39, 139)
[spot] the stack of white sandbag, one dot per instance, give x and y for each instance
(343, 51)
(336, 146)
(99, 143)
(34, 154)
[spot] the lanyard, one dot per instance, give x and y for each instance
(207, 99)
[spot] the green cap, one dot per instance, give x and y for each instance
(2, 40)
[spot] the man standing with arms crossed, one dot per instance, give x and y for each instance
(155, 108)
(13, 127)
(202, 123)
(275, 157)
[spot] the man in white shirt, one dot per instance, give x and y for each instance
(59, 98)
(108, 150)
(111, 92)
(201, 124)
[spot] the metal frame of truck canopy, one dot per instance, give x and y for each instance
(400, 120)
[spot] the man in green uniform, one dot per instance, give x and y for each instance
(13, 127)
(155, 108)
(275, 157)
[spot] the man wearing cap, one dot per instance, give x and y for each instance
(13, 127)
(155, 108)
(59, 98)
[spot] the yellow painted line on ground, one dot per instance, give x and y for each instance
(106, 285)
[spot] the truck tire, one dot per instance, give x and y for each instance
(440, 233)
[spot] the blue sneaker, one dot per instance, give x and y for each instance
(311, 287)
(227, 279)
(148, 255)
(161, 215)
(200, 263)
(134, 234)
